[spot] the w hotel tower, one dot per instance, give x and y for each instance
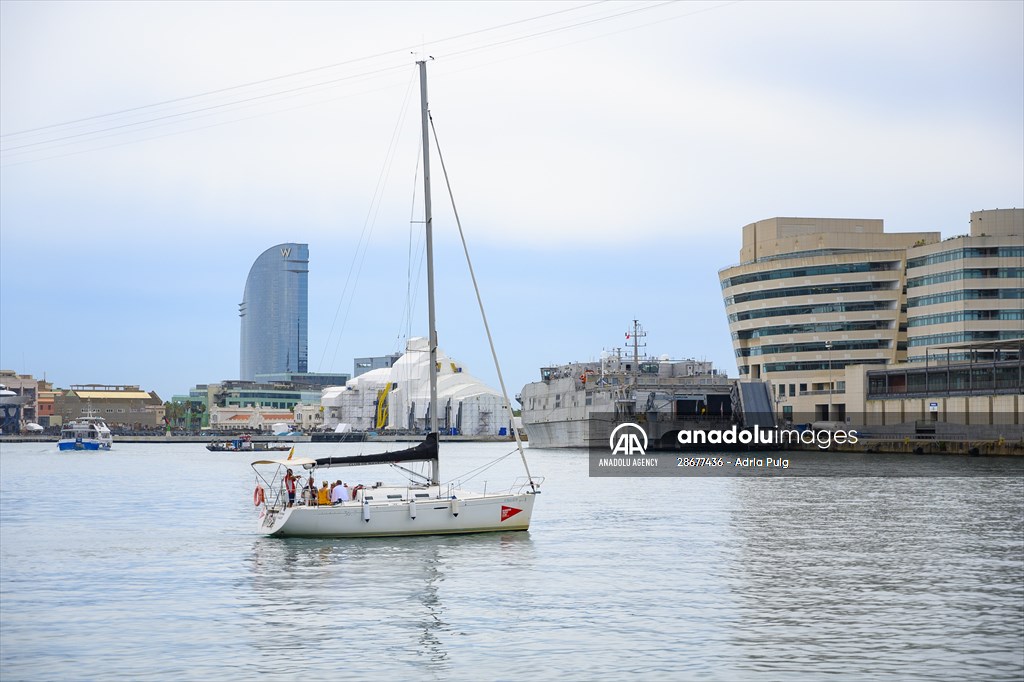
(811, 296)
(274, 312)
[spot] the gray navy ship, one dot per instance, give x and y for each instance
(562, 409)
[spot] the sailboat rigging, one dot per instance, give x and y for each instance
(426, 508)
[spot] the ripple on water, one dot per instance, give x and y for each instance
(143, 563)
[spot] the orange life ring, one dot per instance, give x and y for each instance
(257, 496)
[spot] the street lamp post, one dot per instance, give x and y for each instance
(828, 347)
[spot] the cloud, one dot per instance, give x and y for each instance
(591, 166)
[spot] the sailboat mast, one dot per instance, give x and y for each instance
(427, 219)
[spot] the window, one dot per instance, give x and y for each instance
(821, 290)
(818, 309)
(803, 388)
(973, 273)
(814, 328)
(811, 366)
(788, 273)
(966, 295)
(875, 344)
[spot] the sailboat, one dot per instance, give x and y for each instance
(426, 507)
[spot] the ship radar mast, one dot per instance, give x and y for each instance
(635, 335)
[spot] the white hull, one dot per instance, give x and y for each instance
(435, 516)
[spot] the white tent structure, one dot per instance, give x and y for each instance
(397, 398)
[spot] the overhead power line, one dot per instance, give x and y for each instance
(400, 50)
(25, 145)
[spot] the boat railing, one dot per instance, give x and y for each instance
(274, 496)
(521, 483)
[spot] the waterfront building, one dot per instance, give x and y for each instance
(811, 296)
(308, 417)
(120, 406)
(364, 365)
(967, 289)
(980, 398)
(236, 405)
(281, 391)
(45, 404)
(304, 380)
(274, 312)
(244, 419)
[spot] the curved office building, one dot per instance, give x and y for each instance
(274, 312)
(812, 296)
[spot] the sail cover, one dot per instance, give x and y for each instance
(424, 452)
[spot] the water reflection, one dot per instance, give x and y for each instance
(370, 592)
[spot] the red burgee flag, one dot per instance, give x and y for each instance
(508, 512)
(627, 336)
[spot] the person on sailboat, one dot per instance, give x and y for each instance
(309, 493)
(340, 493)
(289, 484)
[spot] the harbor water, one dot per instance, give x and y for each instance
(144, 563)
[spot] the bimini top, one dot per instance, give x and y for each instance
(423, 452)
(294, 461)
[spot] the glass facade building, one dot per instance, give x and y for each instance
(274, 313)
(967, 289)
(812, 296)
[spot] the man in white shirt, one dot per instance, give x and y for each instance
(340, 493)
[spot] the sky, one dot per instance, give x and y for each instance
(603, 158)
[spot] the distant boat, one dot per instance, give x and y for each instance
(246, 445)
(339, 436)
(283, 429)
(86, 433)
(9, 397)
